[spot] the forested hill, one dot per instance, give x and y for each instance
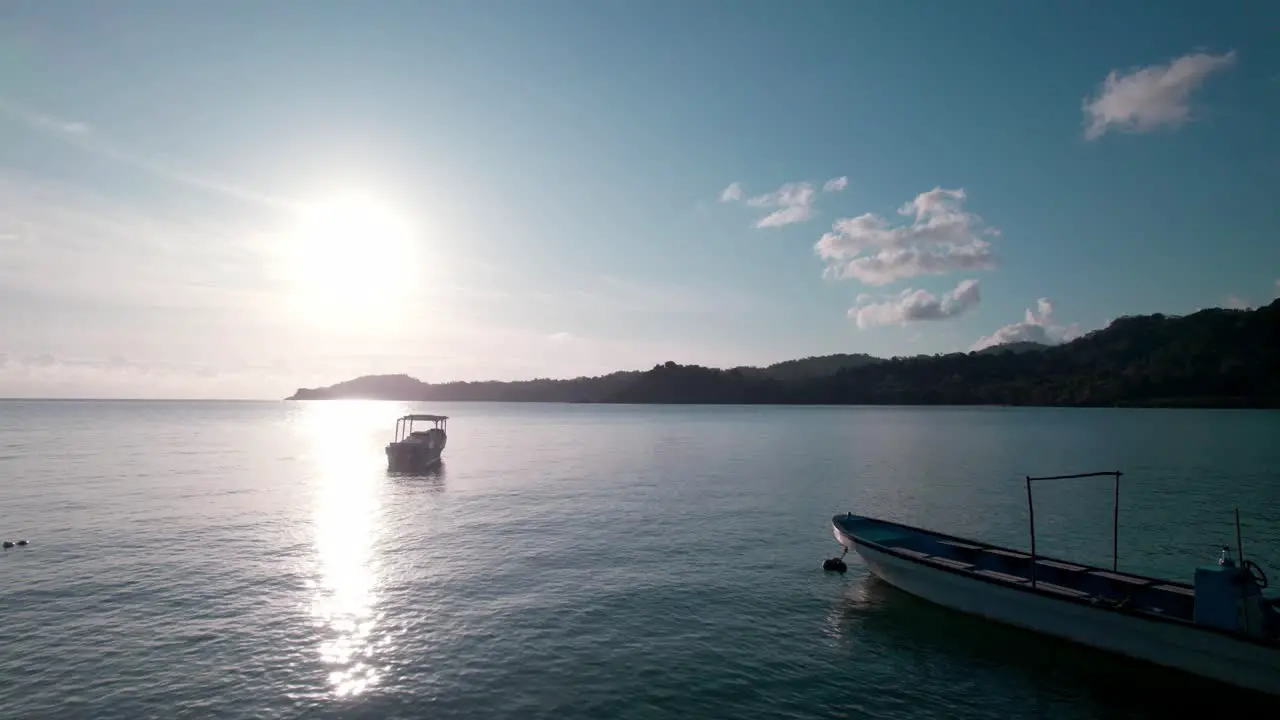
(403, 387)
(1212, 358)
(583, 389)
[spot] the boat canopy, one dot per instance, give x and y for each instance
(404, 426)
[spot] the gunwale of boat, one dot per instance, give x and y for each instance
(1022, 583)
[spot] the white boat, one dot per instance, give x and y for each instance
(1220, 626)
(412, 450)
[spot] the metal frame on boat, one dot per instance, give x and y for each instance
(1115, 515)
(1220, 626)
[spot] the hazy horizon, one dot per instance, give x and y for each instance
(515, 190)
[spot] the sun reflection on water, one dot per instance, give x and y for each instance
(346, 457)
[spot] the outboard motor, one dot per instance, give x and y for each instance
(1230, 597)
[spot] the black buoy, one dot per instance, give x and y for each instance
(834, 564)
(8, 544)
(22, 542)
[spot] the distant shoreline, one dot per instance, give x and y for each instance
(1215, 358)
(1170, 405)
(1165, 404)
(1156, 404)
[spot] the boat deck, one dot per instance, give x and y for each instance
(1014, 568)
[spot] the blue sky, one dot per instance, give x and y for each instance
(240, 198)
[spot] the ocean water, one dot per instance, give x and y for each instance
(254, 560)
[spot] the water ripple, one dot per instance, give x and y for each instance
(254, 560)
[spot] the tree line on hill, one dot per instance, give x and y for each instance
(1211, 358)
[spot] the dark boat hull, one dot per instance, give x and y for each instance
(412, 457)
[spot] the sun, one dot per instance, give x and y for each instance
(351, 256)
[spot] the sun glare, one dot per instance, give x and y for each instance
(351, 257)
(344, 460)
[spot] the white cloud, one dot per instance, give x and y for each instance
(791, 203)
(1037, 326)
(46, 376)
(794, 203)
(64, 243)
(1238, 303)
(72, 128)
(911, 306)
(733, 193)
(92, 141)
(560, 336)
(940, 239)
(242, 363)
(1146, 98)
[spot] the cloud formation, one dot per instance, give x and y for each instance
(732, 193)
(789, 204)
(793, 203)
(45, 375)
(1144, 99)
(941, 238)
(92, 141)
(1037, 326)
(66, 244)
(911, 306)
(836, 184)
(1239, 302)
(71, 128)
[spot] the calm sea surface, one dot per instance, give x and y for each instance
(254, 560)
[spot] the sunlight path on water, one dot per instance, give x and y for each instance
(346, 529)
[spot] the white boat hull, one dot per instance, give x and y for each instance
(1184, 647)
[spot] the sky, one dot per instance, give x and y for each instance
(237, 199)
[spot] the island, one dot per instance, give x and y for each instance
(1211, 358)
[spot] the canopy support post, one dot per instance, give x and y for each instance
(1115, 516)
